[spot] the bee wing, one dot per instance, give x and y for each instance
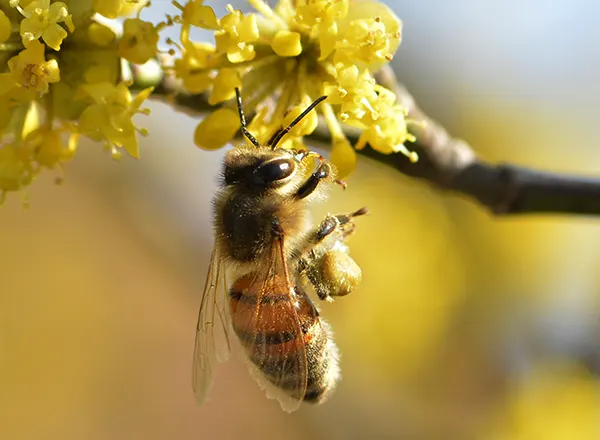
(212, 330)
(267, 323)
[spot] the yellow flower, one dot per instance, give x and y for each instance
(388, 134)
(30, 70)
(117, 8)
(139, 41)
(235, 34)
(5, 27)
(44, 110)
(321, 18)
(369, 35)
(195, 13)
(224, 86)
(48, 148)
(77, 65)
(296, 52)
(190, 67)
(41, 20)
(352, 91)
(109, 118)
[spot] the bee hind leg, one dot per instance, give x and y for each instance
(344, 222)
(316, 257)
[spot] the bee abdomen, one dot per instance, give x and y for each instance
(272, 340)
(322, 368)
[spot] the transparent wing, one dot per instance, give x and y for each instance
(212, 330)
(265, 319)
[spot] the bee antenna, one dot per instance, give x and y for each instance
(275, 139)
(244, 129)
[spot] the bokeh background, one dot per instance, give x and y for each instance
(466, 326)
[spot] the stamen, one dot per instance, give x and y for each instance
(266, 10)
(364, 101)
(332, 123)
(262, 82)
(412, 155)
(284, 102)
(116, 154)
(302, 80)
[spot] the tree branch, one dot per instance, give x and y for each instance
(451, 164)
(444, 161)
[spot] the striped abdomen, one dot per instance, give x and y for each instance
(284, 336)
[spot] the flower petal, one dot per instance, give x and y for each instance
(224, 86)
(58, 12)
(343, 157)
(53, 36)
(287, 44)
(218, 128)
(5, 27)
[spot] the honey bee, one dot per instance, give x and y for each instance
(264, 236)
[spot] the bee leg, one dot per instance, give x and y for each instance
(346, 222)
(315, 248)
(310, 185)
(307, 266)
(343, 222)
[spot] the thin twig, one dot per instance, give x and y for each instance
(446, 162)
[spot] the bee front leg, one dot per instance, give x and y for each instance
(313, 181)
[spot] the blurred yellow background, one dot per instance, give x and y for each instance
(466, 326)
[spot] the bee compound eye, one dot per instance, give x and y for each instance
(274, 170)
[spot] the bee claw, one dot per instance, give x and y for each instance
(341, 183)
(361, 211)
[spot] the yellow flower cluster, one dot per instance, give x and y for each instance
(61, 77)
(297, 51)
(61, 81)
